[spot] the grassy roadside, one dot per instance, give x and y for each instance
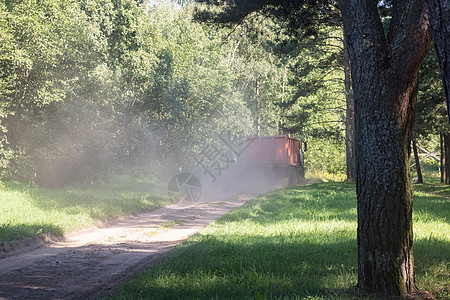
(433, 185)
(296, 243)
(28, 211)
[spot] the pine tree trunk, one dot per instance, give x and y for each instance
(417, 161)
(384, 76)
(445, 161)
(439, 15)
(384, 194)
(349, 120)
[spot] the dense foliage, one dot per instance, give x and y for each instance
(91, 87)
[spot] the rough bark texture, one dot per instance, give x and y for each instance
(439, 15)
(350, 119)
(417, 161)
(384, 76)
(446, 151)
(445, 161)
(443, 175)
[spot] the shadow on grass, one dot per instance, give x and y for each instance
(253, 253)
(433, 205)
(14, 232)
(259, 267)
(251, 268)
(433, 185)
(431, 266)
(255, 260)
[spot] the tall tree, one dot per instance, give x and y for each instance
(259, 74)
(384, 73)
(417, 162)
(315, 107)
(439, 14)
(350, 117)
(89, 87)
(310, 58)
(384, 69)
(431, 110)
(185, 96)
(50, 44)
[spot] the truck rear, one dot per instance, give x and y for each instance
(280, 155)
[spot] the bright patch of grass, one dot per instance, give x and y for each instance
(28, 211)
(295, 243)
(432, 238)
(433, 185)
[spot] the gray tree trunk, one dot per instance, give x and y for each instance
(384, 76)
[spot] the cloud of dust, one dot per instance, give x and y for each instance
(244, 180)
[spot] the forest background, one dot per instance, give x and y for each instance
(90, 88)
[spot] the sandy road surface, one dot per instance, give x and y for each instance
(90, 264)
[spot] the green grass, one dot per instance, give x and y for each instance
(296, 243)
(27, 211)
(433, 185)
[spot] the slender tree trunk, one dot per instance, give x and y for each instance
(417, 161)
(350, 120)
(447, 155)
(445, 161)
(384, 76)
(439, 15)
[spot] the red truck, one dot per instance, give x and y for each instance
(280, 155)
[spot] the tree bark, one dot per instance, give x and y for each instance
(445, 161)
(384, 76)
(349, 120)
(417, 161)
(443, 158)
(447, 155)
(439, 15)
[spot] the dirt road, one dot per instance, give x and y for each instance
(90, 264)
